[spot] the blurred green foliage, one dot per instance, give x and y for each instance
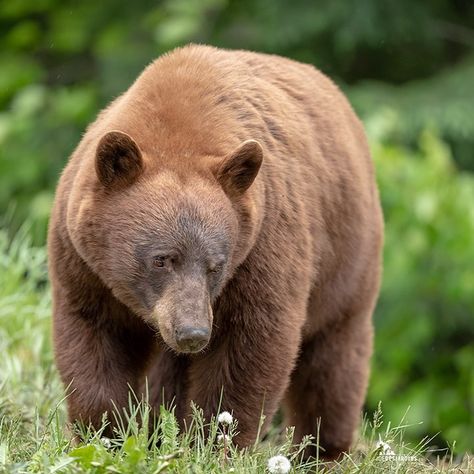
(408, 67)
(424, 355)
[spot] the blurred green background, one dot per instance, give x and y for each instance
(408, 68)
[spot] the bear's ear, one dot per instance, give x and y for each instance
(239, 169)
(118, 160)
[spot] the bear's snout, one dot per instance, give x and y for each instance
(192, 339)
(184, 317)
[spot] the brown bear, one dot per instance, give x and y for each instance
(218, 231)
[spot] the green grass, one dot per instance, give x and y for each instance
(34, 436)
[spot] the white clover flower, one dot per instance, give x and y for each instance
(385, 448)
(279, 465)
(223, 437)
(225, 418)
(106, 442)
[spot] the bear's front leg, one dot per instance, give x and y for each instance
(248, 367)
(101, 351)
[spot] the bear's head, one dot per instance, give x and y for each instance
(166, 239)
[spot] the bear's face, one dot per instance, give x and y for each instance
(171, 256)
(164, 245)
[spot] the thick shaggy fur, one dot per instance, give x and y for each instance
(274, 244)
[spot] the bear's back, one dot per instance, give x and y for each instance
(201, 99)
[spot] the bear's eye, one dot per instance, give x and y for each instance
(159, 261)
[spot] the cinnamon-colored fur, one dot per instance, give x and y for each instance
(275, 244)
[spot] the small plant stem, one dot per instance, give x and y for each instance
(225, 444)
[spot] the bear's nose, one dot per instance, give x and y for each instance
(191, 338)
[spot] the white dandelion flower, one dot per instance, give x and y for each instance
(106, 442)
(225, 418)
(279, 465)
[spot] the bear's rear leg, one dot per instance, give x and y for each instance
(329, 383)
